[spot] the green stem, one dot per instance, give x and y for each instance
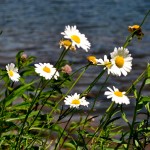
(29, 111)
(77, 79)
(132, 126)
(30, 108)
(107, 115)
(69, 89)
(142, 75)
(64, 52)
(64, 130)
(135, 113)
(130, 37)
(88, 89)
(110, 107)
(95, 99)
(61, 98)
(145, 18)
(109, 112)
(50, 95)
(72, 86)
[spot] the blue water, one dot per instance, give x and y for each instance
(35, 26)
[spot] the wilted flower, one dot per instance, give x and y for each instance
(77, 39)
(12, 72)
(67, 69)
(46, 70)
(137, 31)
(24, 57)
(117, 96)
(92, 59)
(75, 101)
(67, 44)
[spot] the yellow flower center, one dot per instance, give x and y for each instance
(11, 73)
(118, 93)
(75, 38)
(76, 102)
(119, 61)
(92, 59)
(46, 69)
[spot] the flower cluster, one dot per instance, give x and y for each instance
(120, 63)
(74, 39)
(45, 70)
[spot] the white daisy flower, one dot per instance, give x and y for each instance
(117, 96)
(121, 61)
(46, 70)
(75, 101)
(78, 39)
(13, 72)
(106, 62)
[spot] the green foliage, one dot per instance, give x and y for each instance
(33, 114)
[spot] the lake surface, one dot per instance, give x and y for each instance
(35, 26)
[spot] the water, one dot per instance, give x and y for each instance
(35, 27)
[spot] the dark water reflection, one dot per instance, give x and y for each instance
(35, 26)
